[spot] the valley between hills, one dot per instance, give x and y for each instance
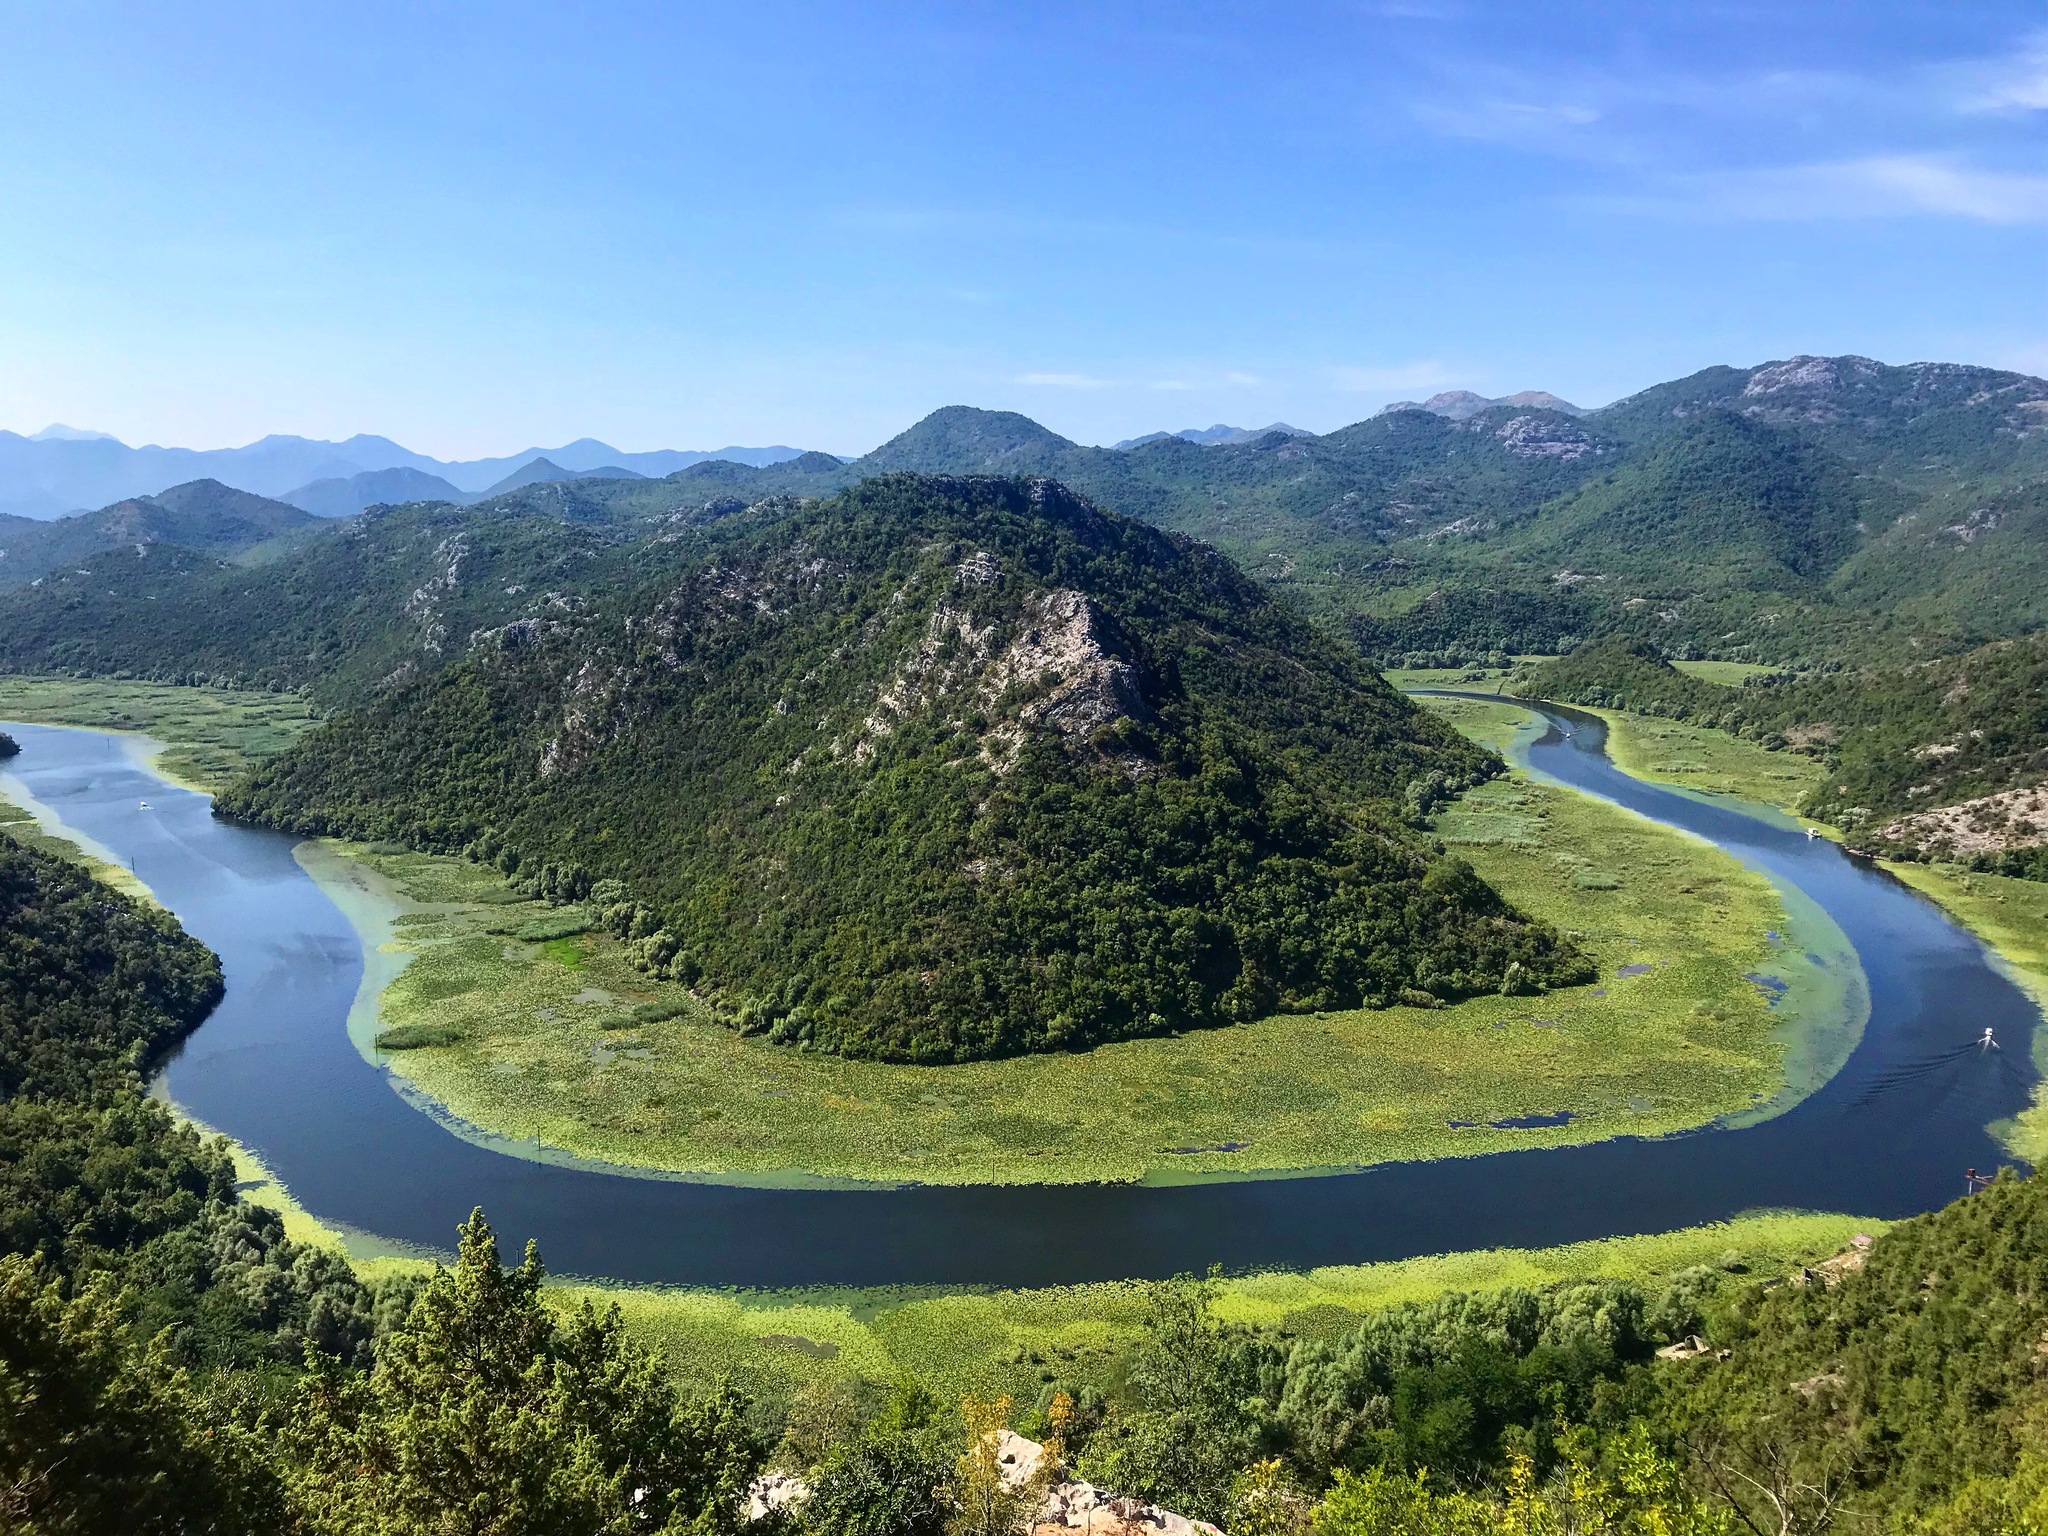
(1046, 833)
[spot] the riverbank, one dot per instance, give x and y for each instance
(991, 1342)
(199, 738)
(2011, 917)
(27, 820)
(549, 1033)
(1016, 1342)
(1707, 761)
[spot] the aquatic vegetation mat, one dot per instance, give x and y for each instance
(1678, 1039)
(210, 735)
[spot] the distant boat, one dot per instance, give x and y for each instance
(143, 806)
(1812, 833)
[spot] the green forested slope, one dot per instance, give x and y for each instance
(201, 516)
(945, 768)
(1724, 502)
(91, 983)
(1897, 739)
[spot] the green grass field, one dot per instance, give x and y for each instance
(1696, 757)
(210, 735)
(546, 1044)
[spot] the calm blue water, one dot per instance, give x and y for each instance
(1889, 1136)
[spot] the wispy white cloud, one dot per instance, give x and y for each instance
(1876, 186)
(2015, 84)
(1064, 381)
(1506, 119)
(1920, 139)
(1379, 380)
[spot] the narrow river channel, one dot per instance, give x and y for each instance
(1889, 1135)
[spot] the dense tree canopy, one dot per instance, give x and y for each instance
(943, 769)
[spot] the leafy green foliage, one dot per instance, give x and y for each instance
(888, 1478)
(1196, 1410)
(943, 769)
(98, 1433)
(1455, 1384)
(91, 983)
(86, 1183)
(486, 1412)
(413, 1037)
(1915, 1376)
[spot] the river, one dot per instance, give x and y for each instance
(1889, 1135)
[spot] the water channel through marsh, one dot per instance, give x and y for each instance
(1888, 1135)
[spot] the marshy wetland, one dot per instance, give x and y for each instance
(530, 1025)
(275, 1068)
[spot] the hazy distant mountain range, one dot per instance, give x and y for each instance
(65, 469)
(1211, 436)
(1463, 405)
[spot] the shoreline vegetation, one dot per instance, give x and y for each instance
(1664, 751)
(532, 1025)
(955, 1341)
(199, 738)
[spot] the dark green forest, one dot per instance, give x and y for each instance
(945, 768)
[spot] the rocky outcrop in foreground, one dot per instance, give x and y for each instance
(1068, 1506)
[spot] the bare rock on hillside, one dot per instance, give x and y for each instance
(2013, 818)
(1538, 437)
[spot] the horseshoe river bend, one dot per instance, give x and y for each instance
(1888, 1134)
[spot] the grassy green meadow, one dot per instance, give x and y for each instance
(1714, 762)
(210, 735)
(544, 1040)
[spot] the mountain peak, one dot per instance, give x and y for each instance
(1463, 404)
(957, 437)
(57, 432)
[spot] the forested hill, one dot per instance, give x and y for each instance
(202, 517)
(1812, 508)
(92, 984)
(942, 768)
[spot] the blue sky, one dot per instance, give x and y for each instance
(683, 225)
